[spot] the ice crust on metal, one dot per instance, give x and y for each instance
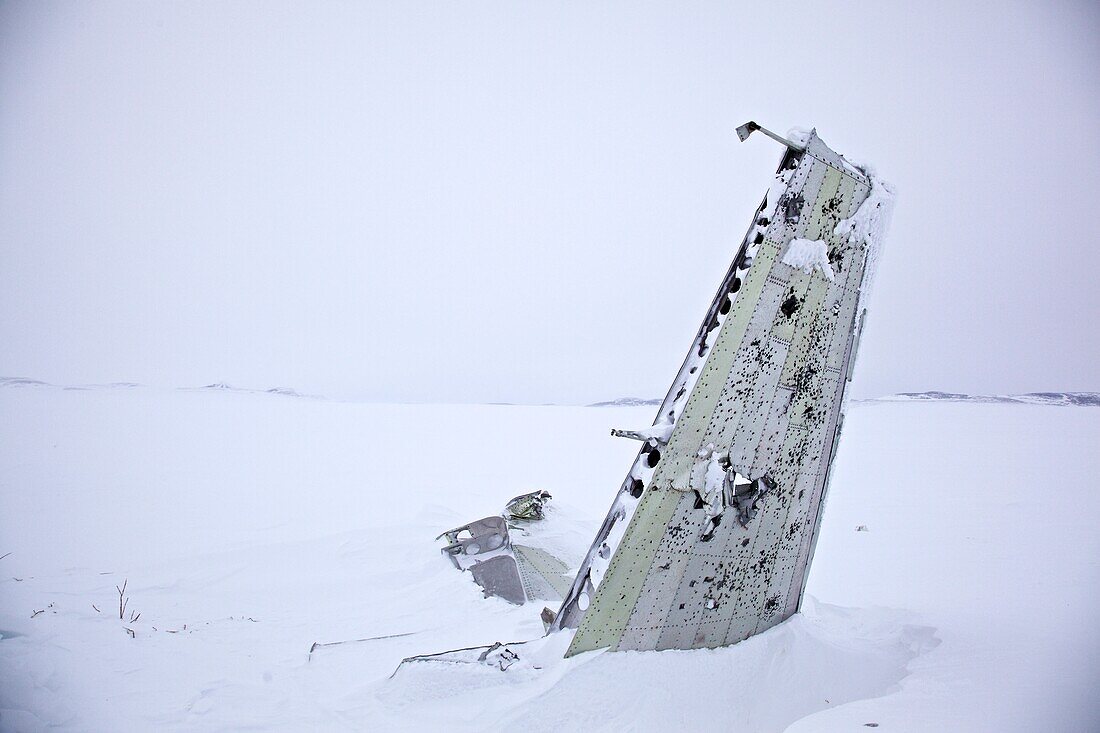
(710, 536)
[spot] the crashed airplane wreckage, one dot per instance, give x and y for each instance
(515, 572)
(710, 537)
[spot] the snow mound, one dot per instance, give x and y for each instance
(826, 657)
(800, 135)
(1068, 399)
(868, 227)
(809, 255)
(251, 529)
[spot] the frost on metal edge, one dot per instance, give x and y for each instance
(868, 225)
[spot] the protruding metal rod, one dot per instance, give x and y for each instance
(659, 432)
(750, 127)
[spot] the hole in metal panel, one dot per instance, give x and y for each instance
(653, 457)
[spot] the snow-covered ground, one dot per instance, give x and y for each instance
(251, 525)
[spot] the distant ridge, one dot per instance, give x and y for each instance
(25, 382)
(626, 402)
(22, 382)
(1077, 399)
(223, 387)
(16, 382)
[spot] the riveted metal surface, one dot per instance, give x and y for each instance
(682, 527)
(604, 621)
(639, 479)
(544, 576)
(767, 401)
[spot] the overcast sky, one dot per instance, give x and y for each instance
(529, 202)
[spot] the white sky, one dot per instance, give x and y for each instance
(528, 202)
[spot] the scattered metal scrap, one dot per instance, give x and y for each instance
(320, 645)
(498, 656)
(527, 507)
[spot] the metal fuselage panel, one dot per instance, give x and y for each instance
(769, 395)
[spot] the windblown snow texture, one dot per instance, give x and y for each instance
(806, 255)
(252, 525)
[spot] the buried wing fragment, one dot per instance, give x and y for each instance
(710, 537)
(515, 572)
(484, 548)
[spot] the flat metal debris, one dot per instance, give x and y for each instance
(517, 573)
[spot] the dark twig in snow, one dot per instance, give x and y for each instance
(122, 601)
(4, 555)
(96, 609)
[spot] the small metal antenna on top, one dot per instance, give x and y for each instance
(750, 127)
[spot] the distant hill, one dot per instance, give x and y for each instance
(1080, 399)
(626, 402)
(215, 387)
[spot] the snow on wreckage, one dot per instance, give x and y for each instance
(710, 537)
(515, 572)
